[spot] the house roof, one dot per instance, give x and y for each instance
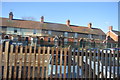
(81, 29)
(49, 26)
(116, 32)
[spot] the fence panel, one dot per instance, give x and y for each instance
(37, 62)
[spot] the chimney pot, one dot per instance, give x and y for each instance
(42, 19)
(10, 15)
(68, 22)
(110, 27)
(90, 25)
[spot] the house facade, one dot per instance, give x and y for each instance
(113, 38)
(51, 33)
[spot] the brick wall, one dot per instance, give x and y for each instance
(113, 36)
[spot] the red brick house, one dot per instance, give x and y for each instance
(83, 36)
(113, 38)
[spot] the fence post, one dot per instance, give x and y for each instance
(29, 60)
(15, 64)
(103, 57)
(25, 62)
(74, 63)
(69, 62)
(39, 60)
(34, 62)
(1, 62)
(90, 64)
(48, 52)
(78, 61)
(114, 55)
(61, 52)
(82, 63)
(110, 64)
(86, 64)
(10, 61)
(52, 63)
(6, 60)
(118, 64)
(65, 54)
(106, 63)
(20, 61)
(56, 75)
(98, 55)
(43, 60)
(94, 61)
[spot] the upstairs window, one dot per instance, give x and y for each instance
(108, 38)
(49, 32)
(65, 41)
(103, 37)
(76, 35)
(45, 31)
(90, 36)
(66, 34)
(4, 28)
(48, 39)
(15, 31)
(75, 41)
(34, 32)
(100, 36)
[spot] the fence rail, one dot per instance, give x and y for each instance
(30, 62)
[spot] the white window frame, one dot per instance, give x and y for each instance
(76, 35)
(90, 36)
(66, 34)
(100, 36)
(75, 41)
(49, 32)
(34, 31)
(65, 41)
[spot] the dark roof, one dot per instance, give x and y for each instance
(116, 32)
(87, 30)
(49, 26)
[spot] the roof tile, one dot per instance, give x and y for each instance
(49, 26)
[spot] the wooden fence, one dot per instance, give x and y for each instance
(32, 62)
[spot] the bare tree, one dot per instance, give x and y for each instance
(28, 18)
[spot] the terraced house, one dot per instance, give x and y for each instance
(113, 38)
(51, 33)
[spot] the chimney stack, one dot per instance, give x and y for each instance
(68, 22)
(110, 27)
(42, 19)
(10, 15)
(90, 25)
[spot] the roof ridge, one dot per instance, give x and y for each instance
(51, 26)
